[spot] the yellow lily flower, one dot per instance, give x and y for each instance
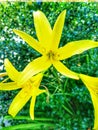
(92, 85)
(30, 89)
(47, 44)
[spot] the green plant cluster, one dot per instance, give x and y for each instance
(69, 106)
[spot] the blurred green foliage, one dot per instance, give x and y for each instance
(70, 106)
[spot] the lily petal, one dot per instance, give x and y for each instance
(95, 103)
(38, 65)
(3, 74)
(64, 70)
(9, 86)
(76, 47)
(57, 30)
(20, 100)
(11, 71)
(40, 91)
(30, 40)
(43, 29)
(92, 85)
(35, 93)
(32, 104)
(37, 78)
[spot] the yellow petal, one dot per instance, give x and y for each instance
(20, 100)
(64, 70)
(57, 30)
(37, 77)
(3, 74)
(38, 65)
(11, 71)
(76, 47)
(95, 103)
(9, 86)
(32, 104)
(35, 93)
(43, 29)
(30, 40)
(40, 91)
(90, 81)
(92, 85)
(35, 90)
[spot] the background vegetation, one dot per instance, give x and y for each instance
(69, 106)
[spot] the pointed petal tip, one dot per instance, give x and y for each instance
(2, 75)
(6, 61)
(32, 117)
(10, 112)
(14, 30)
(36, 12)
(64, 11)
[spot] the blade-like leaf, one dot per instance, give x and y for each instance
(29, 126)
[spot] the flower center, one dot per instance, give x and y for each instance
(52, 55)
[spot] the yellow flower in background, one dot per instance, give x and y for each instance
(92, 85)
(30, 89)
(47, 45)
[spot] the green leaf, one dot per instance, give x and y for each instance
(28, 126)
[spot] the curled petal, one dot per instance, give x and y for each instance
(40, 91)
(3, 74)
(95, 104)
(64, 70)
(76, 47)
(92, 85)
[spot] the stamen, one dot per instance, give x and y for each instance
(53, 55)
